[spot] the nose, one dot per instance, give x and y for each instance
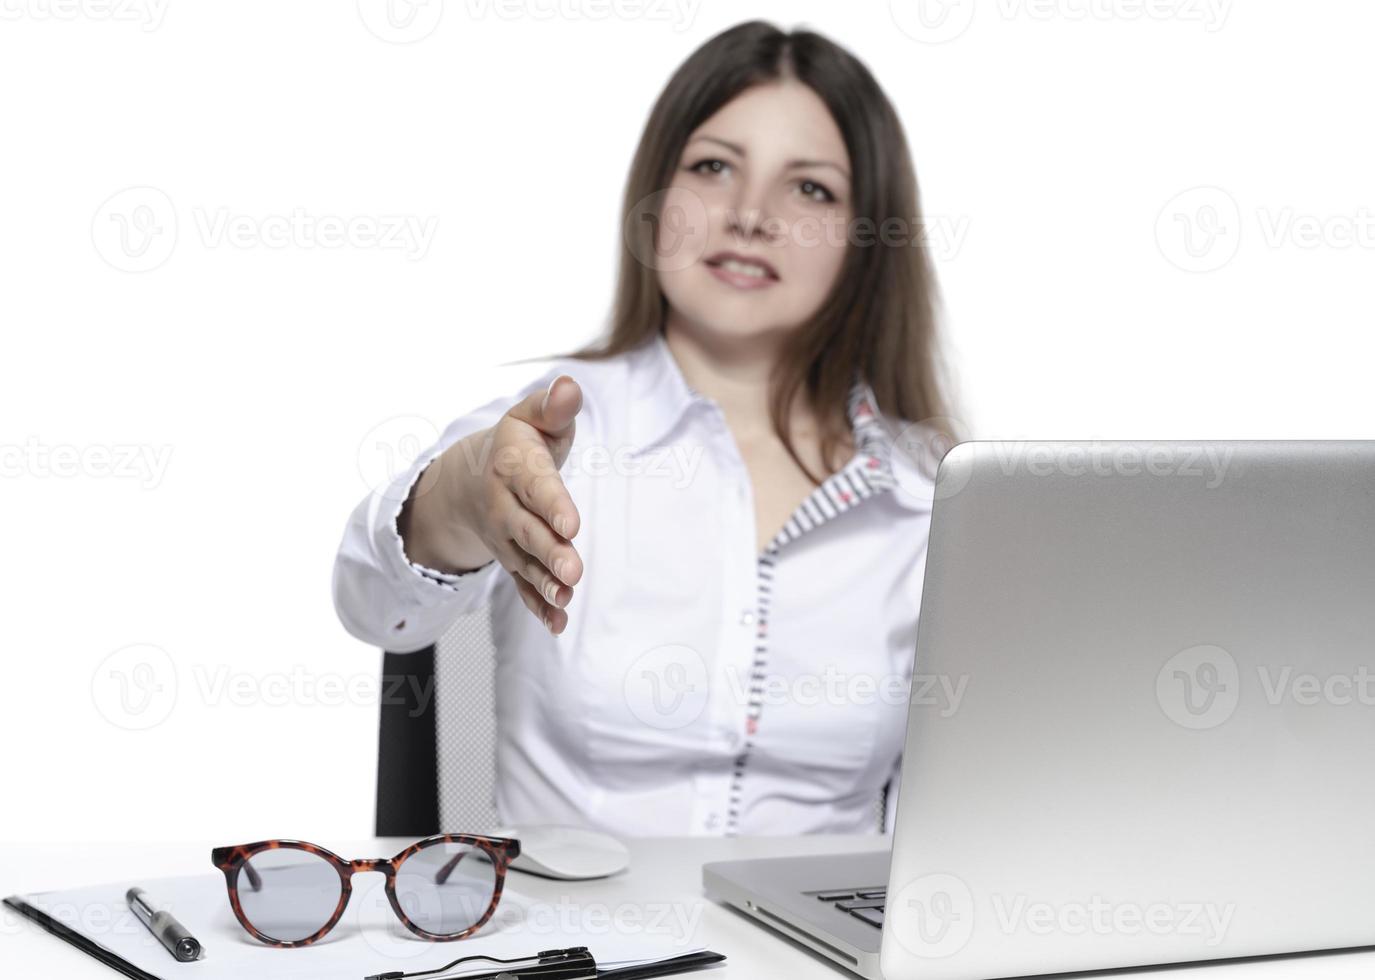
(749, 213)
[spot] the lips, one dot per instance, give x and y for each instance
(741, 271)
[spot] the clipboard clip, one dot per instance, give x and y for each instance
(573, 963)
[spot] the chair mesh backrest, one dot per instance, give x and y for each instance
(465, 725)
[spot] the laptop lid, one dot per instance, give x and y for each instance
(1165, 746)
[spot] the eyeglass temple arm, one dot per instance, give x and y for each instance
(442, 875)
(255, 880)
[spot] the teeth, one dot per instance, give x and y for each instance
(744, 268)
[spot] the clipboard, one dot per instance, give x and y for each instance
(665, 965)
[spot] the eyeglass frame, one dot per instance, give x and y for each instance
(233, 858)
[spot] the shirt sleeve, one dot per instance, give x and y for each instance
(383, 598)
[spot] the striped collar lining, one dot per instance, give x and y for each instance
(868, 472)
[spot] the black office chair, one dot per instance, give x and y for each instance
(407, 764)
(436, 737)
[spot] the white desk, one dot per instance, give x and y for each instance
(664, 873)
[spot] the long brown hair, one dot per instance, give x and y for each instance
(879, 322)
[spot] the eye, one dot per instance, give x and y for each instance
(709, 167)
(817, 192)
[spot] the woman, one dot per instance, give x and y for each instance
(702, 555)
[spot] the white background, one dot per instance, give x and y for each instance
(262, 376)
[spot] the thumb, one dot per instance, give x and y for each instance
(552, 411)
(560, 405)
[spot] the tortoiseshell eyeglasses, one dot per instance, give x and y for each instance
(290, 893)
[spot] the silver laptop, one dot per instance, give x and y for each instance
(1165, 748)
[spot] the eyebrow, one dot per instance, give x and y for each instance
(739, 150)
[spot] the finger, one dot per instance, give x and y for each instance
(535, 537)
(521, 563)
(546, 496)
(538, 486)
(554, 620)
(553, 409)
(537, 606)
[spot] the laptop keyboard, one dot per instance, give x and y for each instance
(865, 904)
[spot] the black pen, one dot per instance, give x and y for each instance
(171, 933)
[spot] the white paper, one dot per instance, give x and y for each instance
(368, 939)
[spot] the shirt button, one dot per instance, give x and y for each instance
(747, 618)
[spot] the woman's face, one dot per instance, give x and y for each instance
(753, 225)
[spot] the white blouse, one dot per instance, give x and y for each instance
(701, 686)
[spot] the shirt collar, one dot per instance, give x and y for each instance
(661, 397)
(894, 454)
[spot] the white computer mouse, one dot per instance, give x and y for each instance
(568, 853)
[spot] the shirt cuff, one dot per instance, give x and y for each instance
(450, 579)
(432, 584)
